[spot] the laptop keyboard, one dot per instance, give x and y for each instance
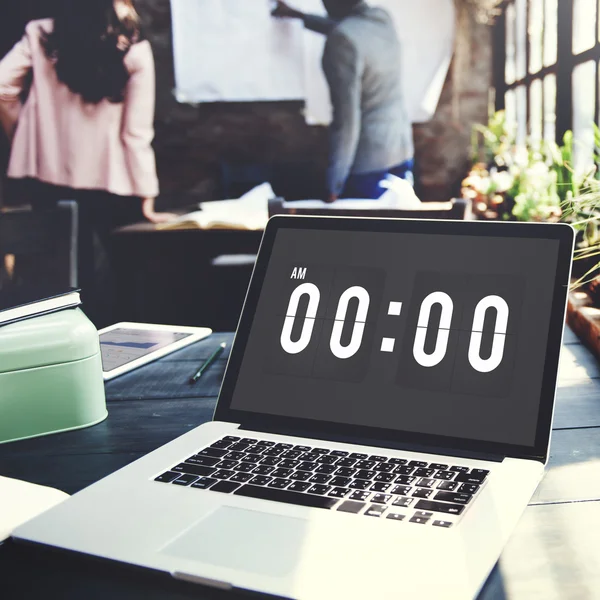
(374, 485)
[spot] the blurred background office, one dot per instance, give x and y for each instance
(502, 100)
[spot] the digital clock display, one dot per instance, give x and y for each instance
(444, 334)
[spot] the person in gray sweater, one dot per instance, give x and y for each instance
(370, 135)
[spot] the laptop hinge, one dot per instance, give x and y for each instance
(408, 447)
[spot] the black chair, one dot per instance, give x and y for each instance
(43, 244)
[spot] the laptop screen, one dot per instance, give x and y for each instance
(441, 334)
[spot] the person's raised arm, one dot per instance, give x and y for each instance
(14, 68)
(342, 68)
(315, 23)
(137, 129)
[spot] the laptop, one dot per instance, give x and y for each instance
(383, 422)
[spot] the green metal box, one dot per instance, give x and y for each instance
(50, 376)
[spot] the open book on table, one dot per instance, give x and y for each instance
(250, 211)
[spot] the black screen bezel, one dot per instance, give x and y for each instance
(320, 429)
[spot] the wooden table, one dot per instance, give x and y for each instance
(553, 554)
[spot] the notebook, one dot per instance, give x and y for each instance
(25, 302)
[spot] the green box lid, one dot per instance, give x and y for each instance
(56, 338)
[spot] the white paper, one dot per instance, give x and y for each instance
(250, 211)
(233, 50)
(20, 501)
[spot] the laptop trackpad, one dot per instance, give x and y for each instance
(245, 540)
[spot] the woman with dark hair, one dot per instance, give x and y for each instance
(86, 127)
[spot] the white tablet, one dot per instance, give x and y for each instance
(127, 346)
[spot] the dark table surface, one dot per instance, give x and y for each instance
(553, 553)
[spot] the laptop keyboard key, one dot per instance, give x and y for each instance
(221, 444)
(339, 453)
(459, 469)
(427, 483)
(384, 477)
(287, 496)
(287, 464)
(265, 443)
(185, 479)
(263, 470)
(327, 459)
(249, 440)
(423, 473)
(340, 481)
(167, 477)
(270, 461)
(251, 457)
(260, 480)
(400, 490)
(449, 486)
(345, 472)
(364, 474)
(404, 480)
(301, 475)
(381, 498)
(443, 507)
(422, 493)
(358, 455)
(469, 478)
(358, 495)
(380, 487)
(227, 464)
(359, 484)
(395, 516)
(403, 502)
(397, 461)
(307, 466)
(212, 452)
(320, 478)
(446, 475)
(207, 461)
(281, 472)
(339, 492)
(453, 497)
(346, 462)
(279, 484)
(404, 470)
(384, 467)
(377, 458)
(225, 486)
(365, 464)
(466, 488)
(238, 447)
(442, 523)
(438, 466)
(374, 510)
(194, 469)
(299, 486)
(420, 520)
(203, 483)
(222, 474)
(293, 454)
(302, 448)
(320, 490)
(351, 507)
(234, 456)
(245, 467)
(242, 477)
(326, 469)
(231, 438)
(417, 463)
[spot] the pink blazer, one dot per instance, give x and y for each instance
(62, 140)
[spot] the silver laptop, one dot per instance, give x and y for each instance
(384, 419)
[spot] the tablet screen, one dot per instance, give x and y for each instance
(122, 346)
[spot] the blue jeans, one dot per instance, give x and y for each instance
(366, 185)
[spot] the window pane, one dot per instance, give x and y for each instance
(521, 41)
(510, 67)
(584, 106)
(536, 30)
(584, 25)
(521, 93)
(550, 32)
(510, 108)
(535, 111)
(550, 108)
